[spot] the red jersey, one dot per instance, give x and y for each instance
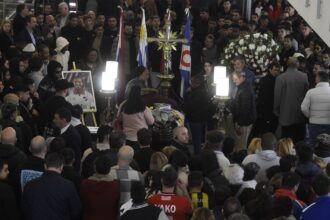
(176, 207)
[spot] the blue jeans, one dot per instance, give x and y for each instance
(198, 135)
(314, 130)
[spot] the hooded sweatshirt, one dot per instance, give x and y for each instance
(265, 159)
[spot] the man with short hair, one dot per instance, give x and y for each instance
(62, 88)
(51, 196)
(102, 148)
(100, 193)
(140, 209)
(316, 107)
(124, 173)
(86, 137)
(287, 51)
(143, 154)
(111, 30)
(320, 208)
(62, 17)
(75, 35)
(265, 158)
(54, 31)
(289, 93)
(13, 156)
(175, 206)
(181, 139)
(101, 42)
(267, 120)
(27, 35)
(243, 109)
(240, 66)
(9, 207)
(214, 141)
(68, 171)
(34, 165)
(22, 12)
(289, 187)
(71, 136)
(27, 109)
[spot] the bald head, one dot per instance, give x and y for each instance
(38, 146)
(125, 154)
(8, 136)
(11, 98)
(180, 135)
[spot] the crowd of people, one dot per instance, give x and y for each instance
(270, 161)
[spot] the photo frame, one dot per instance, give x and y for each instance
(83, 92)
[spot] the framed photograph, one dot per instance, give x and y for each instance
(83, 92)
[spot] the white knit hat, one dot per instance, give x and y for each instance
(61, 42)
(234, 174)
(29, 48)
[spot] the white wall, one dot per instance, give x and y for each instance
(322, 25)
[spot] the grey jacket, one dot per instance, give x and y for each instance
(290, 89)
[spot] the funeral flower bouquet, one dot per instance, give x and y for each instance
(258, 49)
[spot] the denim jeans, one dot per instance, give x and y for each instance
(314, 130)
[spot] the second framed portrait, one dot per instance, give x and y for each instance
(83, 92)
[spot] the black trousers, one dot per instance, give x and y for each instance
(296, 132)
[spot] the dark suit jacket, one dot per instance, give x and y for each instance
(73, 141)
(85, 135)
(25, 37)
(18, 25)
(51, 196)
(266, 97)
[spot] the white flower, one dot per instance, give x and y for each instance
(273, 43)
(241, 42)
(222, 62)
(277, 57)
(247, 37)
(250, 56)
(239, 51)
(244, 48)
(263, 48)
(266, 36)
(226, 57)
(231, 45)
(256, 35)
(258, 49)
(236, 54)
(252, 46)
(254, 65)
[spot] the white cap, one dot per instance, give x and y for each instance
(29, 48)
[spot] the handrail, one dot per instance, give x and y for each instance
(11, 14)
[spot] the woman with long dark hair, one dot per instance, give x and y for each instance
(134, 115)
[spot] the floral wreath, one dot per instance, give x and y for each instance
(259, 50)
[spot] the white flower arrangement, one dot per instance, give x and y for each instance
(258, 49)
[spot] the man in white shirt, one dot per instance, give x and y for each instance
(316, 107)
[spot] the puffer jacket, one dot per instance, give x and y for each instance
(316, 104)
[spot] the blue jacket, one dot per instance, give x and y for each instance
(318, 210)
(50, 197)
